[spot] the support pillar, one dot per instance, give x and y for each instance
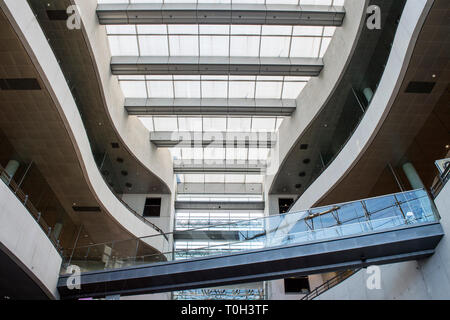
(413, 176)
(416, 183)
(10, 170)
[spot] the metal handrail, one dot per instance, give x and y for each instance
(341, 276)
(36, 214)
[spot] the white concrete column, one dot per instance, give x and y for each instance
(10, 170)
(413, 176)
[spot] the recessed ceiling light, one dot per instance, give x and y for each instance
(433, 76)
(306, 161)
(447, 146)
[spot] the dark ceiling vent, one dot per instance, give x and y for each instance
(306, 161)
(86, 209)
(420, 87)
(298, 186)
(119, 160)
(114, 145)
(20, 84)
(302, 174)
(128, 185)
(303, 146)
(124, 173)
(57, 15)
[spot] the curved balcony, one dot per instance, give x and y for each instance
(66, 159)
(330, 107)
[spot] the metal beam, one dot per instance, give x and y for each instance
(220, 205)
(197, 106)
(361, 250)
(219, 166)
(179, 65)
(260, 14)
(219, 188)
(185, 139)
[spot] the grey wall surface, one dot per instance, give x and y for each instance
(137, 203)
(427, 279)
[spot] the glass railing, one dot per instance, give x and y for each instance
(393, 211)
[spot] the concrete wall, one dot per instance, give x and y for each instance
(34, 41)
(416, 280)
(27, 244)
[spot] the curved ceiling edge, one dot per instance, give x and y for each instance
(319, 90)
(135, 137)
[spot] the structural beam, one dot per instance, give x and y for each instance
(259, 14)
(179, 65)
(196, 106)
(219, 188)
(219, 205)
(169, 139)
(219, 166)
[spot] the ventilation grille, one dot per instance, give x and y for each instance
(19, 84)
(420, 87)
(86, 209)
(57, 15)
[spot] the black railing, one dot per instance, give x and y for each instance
(341, 276)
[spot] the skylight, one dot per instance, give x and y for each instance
(217, 40)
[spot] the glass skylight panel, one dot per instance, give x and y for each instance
(153, 46)
(183, 45)
(241, 89)
(291, 90)
(123, 45)
(263, 124)
(236, 154)
(214, 45)
(190, 124)
(165, 124)
(244, 46)
(187, 89)
(214, 124)
(268, 90)
(236, 124)
(214, 89)
(275, 47)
